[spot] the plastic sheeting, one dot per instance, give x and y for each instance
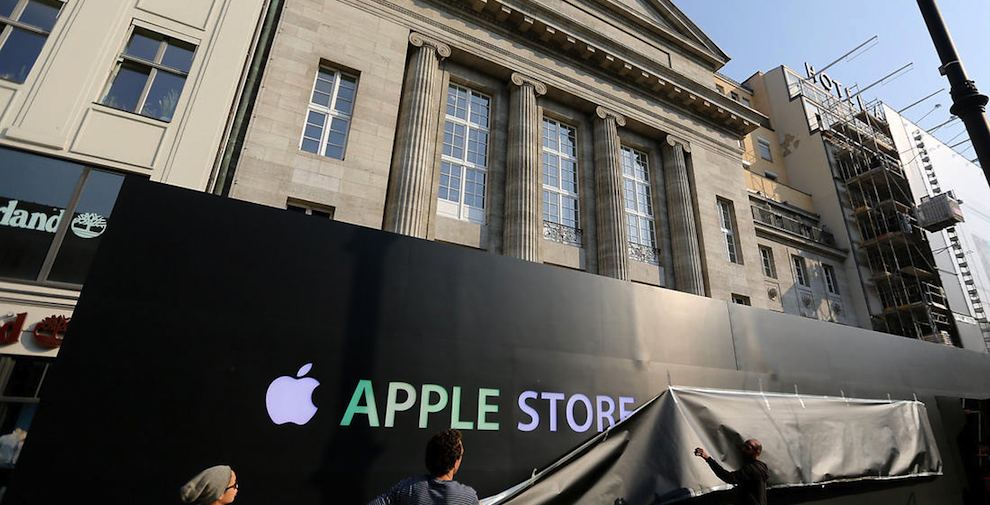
(807, 440)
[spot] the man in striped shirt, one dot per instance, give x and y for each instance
(443, 458)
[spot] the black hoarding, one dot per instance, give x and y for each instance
(205, 324)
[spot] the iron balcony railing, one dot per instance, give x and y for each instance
(644, 253)
(561, 233)
(791, 225)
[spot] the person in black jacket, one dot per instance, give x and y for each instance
(750, 480)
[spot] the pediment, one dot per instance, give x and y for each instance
(664, 16)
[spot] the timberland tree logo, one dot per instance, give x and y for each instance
(89, 225)
(85, 225)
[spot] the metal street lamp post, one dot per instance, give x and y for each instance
(967, 102)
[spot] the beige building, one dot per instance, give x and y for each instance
(803, 267)
(584, 135)
(91, 93)
(841, 182)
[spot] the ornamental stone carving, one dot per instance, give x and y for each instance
(520, 79)
(420, 40)
(604, 113)
(673, 140)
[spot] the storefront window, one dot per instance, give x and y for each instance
(89, 220)
(20, 382)
(52, 215)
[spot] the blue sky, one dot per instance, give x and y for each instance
(795, 31)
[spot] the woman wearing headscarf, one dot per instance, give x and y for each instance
(216, 485)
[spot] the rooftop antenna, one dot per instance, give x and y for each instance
(919, 101)
(884, 78)
(953, 118)
(840, 58)
(929, 112)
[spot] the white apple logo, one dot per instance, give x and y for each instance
(291, 400)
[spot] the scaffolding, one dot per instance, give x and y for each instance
(873, 185)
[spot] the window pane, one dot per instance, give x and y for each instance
(569, 212)
(178, 56)
(346, 90)
(34, 192)
(324, 86)
(126, 88)
(343, 105)
(568, 142)
(89, 221)
(336, 138)
(41, 13)
(335, 152)
(474, 188)
(326, 74)
(479, 110)
(630, 194)
(163, 96)
(311, 145)
(313, 131)
(25, 378)
(632, 228)
(457, 102)
(321, 98)
(316, 118)
(143, 44)
(18, 54)
(568, 174)
(477, 147)
(550, 167)
(7, 7)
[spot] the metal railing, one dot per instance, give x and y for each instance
(791, 225)
(644, 253)
(563, 234)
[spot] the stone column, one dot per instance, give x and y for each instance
(523, 196)
(683, 229)
(411, 176)
(613, 244)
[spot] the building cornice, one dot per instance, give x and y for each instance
(583, 47)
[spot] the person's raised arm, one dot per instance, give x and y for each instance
(721, 473)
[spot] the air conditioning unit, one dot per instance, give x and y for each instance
(939, 212)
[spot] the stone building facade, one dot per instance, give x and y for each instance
(804, 267)
(582, 134)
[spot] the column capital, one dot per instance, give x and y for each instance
(673, 140)
(604, 113)
(521, 79)
(420, 40)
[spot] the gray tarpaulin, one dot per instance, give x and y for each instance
(648, 458)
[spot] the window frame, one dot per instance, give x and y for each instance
(154, 68)
(60, 234)
(649, 215)
(761, 144)
(741, 300)
(459, 209)
(831, 281)
(766, 259)
(800, 271)
(310, 209)
(10, 24)
(559, 191)
(726, 221)
(330, 111)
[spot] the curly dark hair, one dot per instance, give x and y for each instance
(443, 451)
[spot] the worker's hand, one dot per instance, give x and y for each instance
(701, 453)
